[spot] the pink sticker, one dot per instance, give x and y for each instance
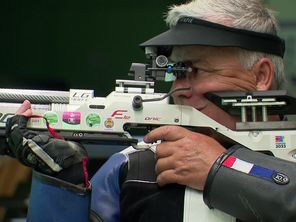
(72, 118)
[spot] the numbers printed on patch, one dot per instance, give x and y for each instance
(280, 145)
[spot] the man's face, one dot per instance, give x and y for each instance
(214, 69)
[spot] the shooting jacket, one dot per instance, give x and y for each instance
(245, 184)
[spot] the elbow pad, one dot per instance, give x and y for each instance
(252, 186)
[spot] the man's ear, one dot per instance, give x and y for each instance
(264, 71)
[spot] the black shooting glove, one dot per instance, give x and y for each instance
(44, 153)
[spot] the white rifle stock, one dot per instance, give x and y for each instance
(78, 115)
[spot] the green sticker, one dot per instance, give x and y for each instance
(93, 119)
(51, 117)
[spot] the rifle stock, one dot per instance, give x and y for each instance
(80, 116)
(111, 119)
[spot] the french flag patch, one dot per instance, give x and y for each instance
(255, 170)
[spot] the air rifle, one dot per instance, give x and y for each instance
(80, 116)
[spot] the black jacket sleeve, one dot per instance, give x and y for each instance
(252, 186)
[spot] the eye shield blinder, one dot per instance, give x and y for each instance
(192, 31)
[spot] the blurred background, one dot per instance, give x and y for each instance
(66, 44)
(63, 44)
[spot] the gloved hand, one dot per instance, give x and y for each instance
(41, 151)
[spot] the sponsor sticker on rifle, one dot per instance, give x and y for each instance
(93, 120)
(71, 120)
(80, 96)
(280, 141)
(51, 117)
(109, 123)
(121, 114)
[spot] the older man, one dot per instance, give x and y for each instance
(230, 45)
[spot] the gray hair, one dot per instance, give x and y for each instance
(243, 14)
